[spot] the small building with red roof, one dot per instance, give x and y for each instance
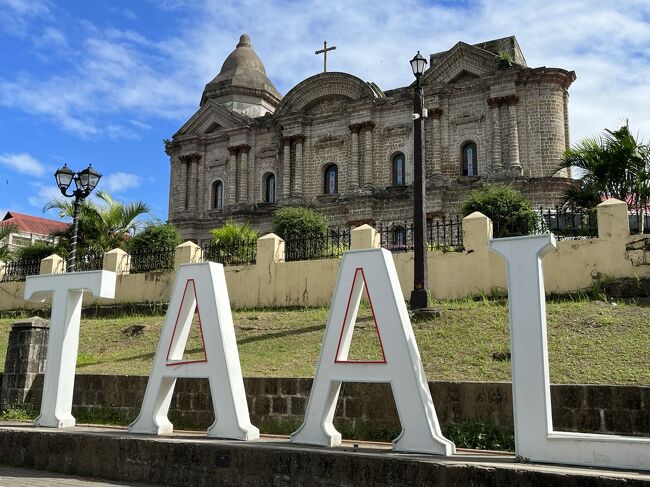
(31, 229)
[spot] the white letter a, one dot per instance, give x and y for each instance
(202, 285)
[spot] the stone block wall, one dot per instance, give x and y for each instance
(277, 405)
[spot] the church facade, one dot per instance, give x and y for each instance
(344, 146)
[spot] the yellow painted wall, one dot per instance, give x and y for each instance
(572, 266)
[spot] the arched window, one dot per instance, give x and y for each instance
(470, 164)
(399, 170)
(217, 195)
(331, 179)
(269, 188)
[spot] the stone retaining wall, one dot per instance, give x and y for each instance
(277, 405)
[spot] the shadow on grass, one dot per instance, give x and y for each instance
(243, 341)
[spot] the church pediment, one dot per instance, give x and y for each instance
(211, 118)
(317, 91)
(462, 62)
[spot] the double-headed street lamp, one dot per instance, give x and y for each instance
(420, 292)
(85, 181)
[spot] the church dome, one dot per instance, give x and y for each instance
(242, 84)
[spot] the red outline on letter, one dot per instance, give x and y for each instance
(345, 318)
(198, 312)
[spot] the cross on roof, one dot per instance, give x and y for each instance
(323, 51)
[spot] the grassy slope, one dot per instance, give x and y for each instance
(589, 342)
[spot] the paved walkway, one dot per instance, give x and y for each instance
(20, 477)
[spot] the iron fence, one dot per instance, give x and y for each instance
(635, 219)
(17, 270)
(152, 260)
(328, 246)
(441, 234)
(89, 261)
(567, 223)
(237, 253)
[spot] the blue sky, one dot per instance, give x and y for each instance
(104, 81)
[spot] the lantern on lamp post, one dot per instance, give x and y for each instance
(85, 181)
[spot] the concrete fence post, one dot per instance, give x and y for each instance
(116, 260)
(25, 360)
(364, 237)
(3, 266)
(52, 265)
(477, 231)
(613, 221)
(187, 253)
(270, 249)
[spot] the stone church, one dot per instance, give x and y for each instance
(344, 147)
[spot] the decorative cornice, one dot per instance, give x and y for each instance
(188, 158)
(496, 101)
(355, 128)
(436, 113)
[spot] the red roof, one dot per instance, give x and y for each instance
(34, 224)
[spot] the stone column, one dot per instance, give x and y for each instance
(232, 176)
(297, 180)
(436, 164)
(243, 173)
(25, 360)
(367, 160)
(193, 166)
(354, 157)
(513, 135)
(183, 180)
(286, 168)
(252, 178)
(494, 104)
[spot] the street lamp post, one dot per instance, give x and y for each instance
(85, 181)
(420, 293)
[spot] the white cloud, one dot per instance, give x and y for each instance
(22, 163)
(120, 182)
(43, 194)
(117, 76)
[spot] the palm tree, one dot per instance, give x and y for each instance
(613, 165)
(103, 226)
(5, 231)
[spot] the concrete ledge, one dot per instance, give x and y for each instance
(186, 459)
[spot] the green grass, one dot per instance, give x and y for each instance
(589, 342)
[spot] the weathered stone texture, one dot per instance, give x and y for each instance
(517, 118)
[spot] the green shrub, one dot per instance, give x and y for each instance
(155, 236)
(510, 211)
(299, 223)
(504, 60)
(232, 233)
(37, 251)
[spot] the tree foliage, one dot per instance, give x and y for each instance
(299, 223)
(155, 236)
(102, 226)
(614, 164)
(5, 231)
(36, 251)
(511, 213)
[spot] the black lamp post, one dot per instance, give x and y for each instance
(85, 181)
(420, 292)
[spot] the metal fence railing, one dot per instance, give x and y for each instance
(153, 260)
(441, 234)
(17, 270)
(567, 223)
(328, 246)
(89, 261)
(237, 253)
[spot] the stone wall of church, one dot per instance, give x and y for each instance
(519, 127)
